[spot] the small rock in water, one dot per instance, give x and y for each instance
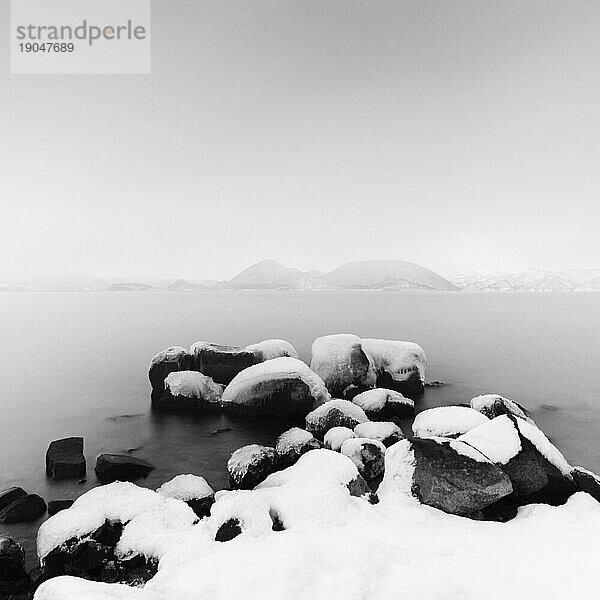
(219, 430)
(55, 506)
(24, 509)
(174, 358)
(65, 459)
(434, 384)
(10, 495)
(119, 467)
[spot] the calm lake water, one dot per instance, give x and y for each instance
(77, 363)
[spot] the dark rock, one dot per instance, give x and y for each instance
(335, 413)
(502, 511)
(367, 455)
(65, 459)
(110, 572)
(17, 589)
(292, 444)
(556, 492)
(109, 533)
(250, 465)
(12, 559)
(120, 467)
(412, 387)
(359, 488)
(201, 506)
(25, 508)
(172, 359)
(453, 482)
(493, 405)
(587, 482)
(10, 495)
(277, 522)
(219, 431)
(136, 569)
(190, 391)
(526, 470)
(229, 530)
(221, 363)
(55, 506)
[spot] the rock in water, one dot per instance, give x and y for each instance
(268, 349)
(65, 459)
(193, 490)
(120, 467)
(190, 390)
(335, 413)
(447, 421)
(174, 358)
(336, 436)
(399, 366)
(221, 363)
(250, 465)
(10, 495)
(382, 404)
(55, 506)
(341, 362)
(281, 387)
(587, 482)
(493, 405)
(386, 432)
(24, 509)
(367, 455)
(292, 444)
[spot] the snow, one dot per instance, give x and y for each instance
(545, 446)
(497, 439)
(186, 487)
(336, 436)
(485, 402)
(375, 400)
(291, 439)
(193, 384)
(268, 349)
(316, 418)
(399, 359)
(377, 430)
(244, 457)
(447, 420)
(338, 546)
(274, 369)
(171, 354)
(352, 449)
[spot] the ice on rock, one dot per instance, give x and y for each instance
(186, 487)
(269, 349)
(193, 384)
(249, 465)
(336, 436)
(172, 354)
(341, 362)
(282, 386)
(291, 444)
(385, 403)
(445, 421)
(400, 360)
(493, 405)
(498, 439)
(386, 432)
(334, 413)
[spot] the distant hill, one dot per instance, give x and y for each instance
(364, 275)
(129, 287)
(182, 285)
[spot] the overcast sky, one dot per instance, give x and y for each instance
(459, 135)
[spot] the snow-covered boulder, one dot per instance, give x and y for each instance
(398, 365)
(292, 444)
(381, 404)
(336, 436)
(444, 473)
(335, 413)
(268, 349)
(121, 467)
(190, 390)
(281, 387)
(587, 481)
(341, 362)
(221, 363)
(191, 489)
(447, 421)
(367, 455)
(174, 358)
(386, 432)
(249, 465)
(493, 405)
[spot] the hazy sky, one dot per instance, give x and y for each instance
(459, 135)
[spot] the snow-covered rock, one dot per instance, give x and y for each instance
(336, 436)
(381, 404)
(193, 490)
(493, 405)
(366, 454)
(341, 362)
(281, 386)
(292, 444)
(587, 482)
(386, 432)
(268, 349)
(398, 365)
(174, 358)
(249, 465)
(447, 421)
(190, 390)
(335, 413)
(221, 363)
